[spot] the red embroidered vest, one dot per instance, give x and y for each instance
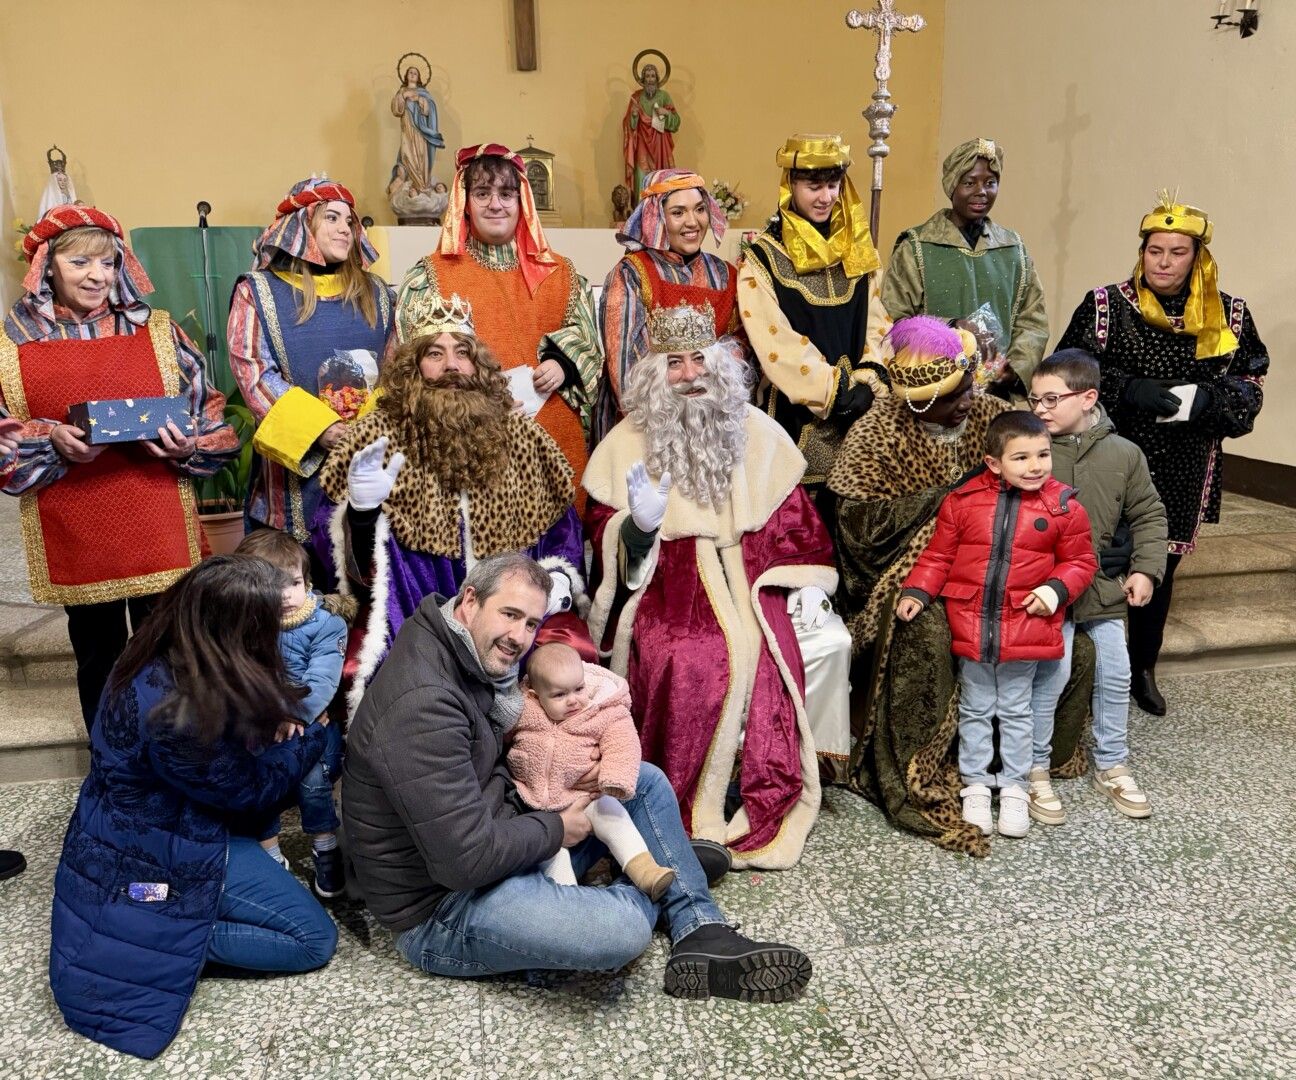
(123, 524)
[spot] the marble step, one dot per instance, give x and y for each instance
(1237, 556)
(42, 736)
(34, 646)
(1220, 627)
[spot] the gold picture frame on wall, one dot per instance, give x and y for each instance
(539, 165)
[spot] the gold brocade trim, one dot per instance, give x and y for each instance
(164, 350)
(292, 484)
(271, 320)
(572, 311)
(11, 378)
(636, 260)
(501, 263)
(823, 288)
(429, 270)
(45, 591)
(1021, 289)
(301, 530)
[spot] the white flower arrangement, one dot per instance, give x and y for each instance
(730, 199)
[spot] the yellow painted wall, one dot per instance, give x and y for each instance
(160, 103)
(1098, 105)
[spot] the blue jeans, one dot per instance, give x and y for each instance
(987, 691)
(527, 922)
(1110, 703)
(266, 920)
(315, 792)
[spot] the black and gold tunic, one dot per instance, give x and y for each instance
(1183, 457)
(807, 331)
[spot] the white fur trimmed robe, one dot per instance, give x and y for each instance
(706, 643)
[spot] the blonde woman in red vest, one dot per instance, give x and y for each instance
(106, 528)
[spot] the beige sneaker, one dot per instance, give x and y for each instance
(1120, 787)
(1045, 806)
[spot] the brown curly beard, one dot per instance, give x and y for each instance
(453, 426)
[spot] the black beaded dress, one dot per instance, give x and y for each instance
(1185, 457)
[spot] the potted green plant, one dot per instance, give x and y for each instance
(222, 495)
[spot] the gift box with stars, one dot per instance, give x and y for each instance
(130, 419)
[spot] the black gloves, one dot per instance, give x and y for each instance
(1152, 395)
(1115, 560)
(853, 400)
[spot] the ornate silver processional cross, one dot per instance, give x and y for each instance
(882, 20)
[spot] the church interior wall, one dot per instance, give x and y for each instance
(1100, 104)
(160, 104)
(9, 290)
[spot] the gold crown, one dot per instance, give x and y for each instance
(681, 329)
(426, 312)
(813, 152)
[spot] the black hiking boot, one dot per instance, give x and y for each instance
(716, 859)
(717, 960)
(11, 864)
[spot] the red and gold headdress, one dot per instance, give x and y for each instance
(132, 282)
(535, 259)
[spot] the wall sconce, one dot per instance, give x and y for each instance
(1247, 22)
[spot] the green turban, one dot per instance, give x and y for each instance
(964, 156)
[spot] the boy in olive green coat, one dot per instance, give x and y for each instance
(1115, 488)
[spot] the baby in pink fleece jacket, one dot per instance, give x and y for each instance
(570, 709)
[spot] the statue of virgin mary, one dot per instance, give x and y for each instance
(420, 138)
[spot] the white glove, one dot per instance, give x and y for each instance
(811, 606)
(368, 481)
(560, 593)
(647, 503)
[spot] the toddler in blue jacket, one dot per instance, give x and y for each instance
(313, 642)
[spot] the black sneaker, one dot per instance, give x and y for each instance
(717, 960)
(11, 864)
(716, 859)
(330, 878)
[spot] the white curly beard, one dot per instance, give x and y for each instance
(698, 440)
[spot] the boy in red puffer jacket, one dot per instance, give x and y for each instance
(1011, 550)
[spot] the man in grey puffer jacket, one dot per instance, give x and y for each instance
(447, 856)
(1113, 484)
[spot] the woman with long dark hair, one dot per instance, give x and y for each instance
(194, 744)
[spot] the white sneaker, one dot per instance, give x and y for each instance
(976, 807)
(1123, 791)
(1014, 811)
(1045, 806)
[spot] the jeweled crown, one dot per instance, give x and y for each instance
(428, 312)
(681, 329)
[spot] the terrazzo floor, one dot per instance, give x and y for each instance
(1106, 948)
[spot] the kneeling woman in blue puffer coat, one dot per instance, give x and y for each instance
(193, 745)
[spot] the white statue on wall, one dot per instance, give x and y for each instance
(58, 189)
